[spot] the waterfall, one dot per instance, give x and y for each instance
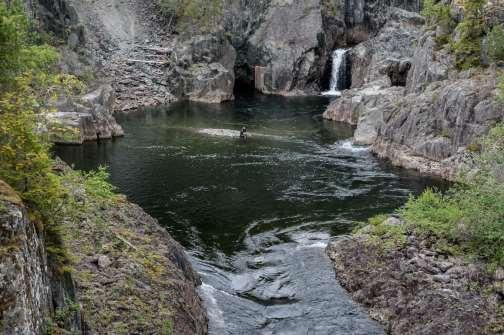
(338, 70)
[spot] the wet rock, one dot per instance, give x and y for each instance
(386, 57)
(429, 131)
(428, 64)
(377, 64)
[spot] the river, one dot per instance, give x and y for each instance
(255, 216)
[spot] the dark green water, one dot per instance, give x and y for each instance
(255, 216)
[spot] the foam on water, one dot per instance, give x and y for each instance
(235, 133)
(219, 132)
(215, 313)
(350, 146)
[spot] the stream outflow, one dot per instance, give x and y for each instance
(255, 217)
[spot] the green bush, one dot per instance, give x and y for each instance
(19, 51)
(438, 13)
(500, 90)
(97, 184)
(29, 85)
(433, 214)
(471, 30)
(496, 44)
(470, 216)
(192, 15)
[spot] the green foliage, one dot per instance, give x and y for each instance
(19, 51)
(192, 15)
(167, 327)
(432, 214)
(377, 219)
(97, 185)
(471, 30)
(500, 90)
(496, 43)
(471, 216)
(383, 234)
(25, 163)
(28, 89)
(438, 13)
(64, 314)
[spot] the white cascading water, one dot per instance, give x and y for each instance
(337, 62)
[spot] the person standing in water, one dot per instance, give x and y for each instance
(243, 134)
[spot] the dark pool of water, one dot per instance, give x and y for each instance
(255, 216)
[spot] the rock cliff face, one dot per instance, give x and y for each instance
(128, 58)
(285, 47)
(285, 55)
(129, 276)
(133, 50)
(282, 47)
(203, 69)
(25, 294)
(410, 103)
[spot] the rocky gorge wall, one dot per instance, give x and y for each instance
(126, 276)
(30, 289)
(285, 47)
(410, 102)
(276, 46)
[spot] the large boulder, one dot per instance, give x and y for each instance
(85, 118)
(204, 69)
(363, 108)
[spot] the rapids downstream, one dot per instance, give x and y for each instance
(255, 216)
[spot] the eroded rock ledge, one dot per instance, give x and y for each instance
(415, 289)
(128, 276)
(411, 104)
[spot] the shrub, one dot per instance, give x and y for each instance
(97, 185)
(432, 214)
(500, 90)
(19, 51)
(468, 46)
(192, 15)
(471, 215)
(28, 87)
(438, 14)
(496, 43)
